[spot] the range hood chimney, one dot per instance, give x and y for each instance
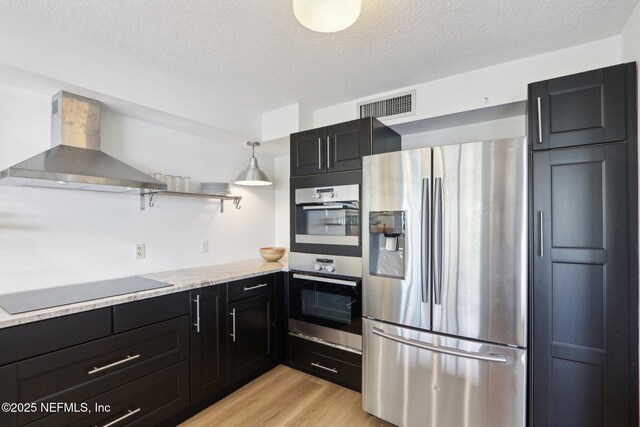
(75, 160)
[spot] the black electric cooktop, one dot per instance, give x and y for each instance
(38, 299)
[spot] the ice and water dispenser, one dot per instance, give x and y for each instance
(386, 244)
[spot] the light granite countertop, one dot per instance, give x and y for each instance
(181, 280)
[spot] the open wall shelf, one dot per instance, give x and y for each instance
(153, 194)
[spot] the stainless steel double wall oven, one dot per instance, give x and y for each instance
(325, 283)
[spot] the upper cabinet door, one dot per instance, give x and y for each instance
(347, 143)
(581, 109)
(308, 152)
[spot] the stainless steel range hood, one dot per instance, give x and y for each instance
(75, 160)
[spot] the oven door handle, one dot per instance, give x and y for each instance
(325, 279)
(323, 207)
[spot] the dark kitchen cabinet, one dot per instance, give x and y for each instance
(329, 362)
(580, 109)
(8, 394)
(308, 153)
(250, 335)
(340, 147)
(581, 287)
(77, 373)
(208, 342)
(147, 401)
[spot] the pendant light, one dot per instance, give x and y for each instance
(252, 175)
(327, 16)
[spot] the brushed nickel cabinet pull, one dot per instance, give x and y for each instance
(129, 358)
(233, 334)
(197, 324)
(539, 122)
(541, 234)
(317, 365)
(122, 418)
(262, 285)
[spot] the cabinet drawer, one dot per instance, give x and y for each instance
(252, 286)
(325, 350)
(144, 402)
(327, 367)
(146, 312)
(32, 339)
(84, 371)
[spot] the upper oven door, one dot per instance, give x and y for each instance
(334, 224)
(325, 214)
(326, 301)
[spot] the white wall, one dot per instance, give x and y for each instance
(494, 129)
(496, 85)
(91, 70)
(52, 237)
(281, 122)
(282, 173)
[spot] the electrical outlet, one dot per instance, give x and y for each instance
(140, 251)
(204, 246)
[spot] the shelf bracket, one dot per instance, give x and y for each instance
(142, 201)
(152, 202)
(221, 205)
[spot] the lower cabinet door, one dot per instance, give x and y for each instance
(251, 328)
(144, 402)
(581, 337)
(208, 342)
(8, 394)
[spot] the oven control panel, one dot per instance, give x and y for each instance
(323, 193)
(337, 193)
(326, 264)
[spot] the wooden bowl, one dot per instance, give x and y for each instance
(272, 254)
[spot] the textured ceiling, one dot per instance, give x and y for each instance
(253, 53)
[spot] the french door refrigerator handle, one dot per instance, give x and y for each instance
(487, 357)
(437, 241)
(425, 245)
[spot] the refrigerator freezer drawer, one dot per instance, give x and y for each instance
(415, 378)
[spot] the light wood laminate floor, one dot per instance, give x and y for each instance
(287, 397)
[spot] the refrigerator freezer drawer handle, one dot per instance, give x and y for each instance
(499, 358)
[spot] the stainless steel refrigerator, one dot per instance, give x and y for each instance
(445, 285)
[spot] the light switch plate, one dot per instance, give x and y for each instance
(204, 246)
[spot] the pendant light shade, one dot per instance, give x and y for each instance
(252, 175)
(327, 16)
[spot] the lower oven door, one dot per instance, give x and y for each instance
(331, 302)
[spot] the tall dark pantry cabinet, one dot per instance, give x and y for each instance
(584, 237)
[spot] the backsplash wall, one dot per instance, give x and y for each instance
(53, 237)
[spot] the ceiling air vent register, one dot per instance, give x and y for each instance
(390, 107)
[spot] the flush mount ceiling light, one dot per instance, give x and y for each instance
(252, 175)
(327, 16)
